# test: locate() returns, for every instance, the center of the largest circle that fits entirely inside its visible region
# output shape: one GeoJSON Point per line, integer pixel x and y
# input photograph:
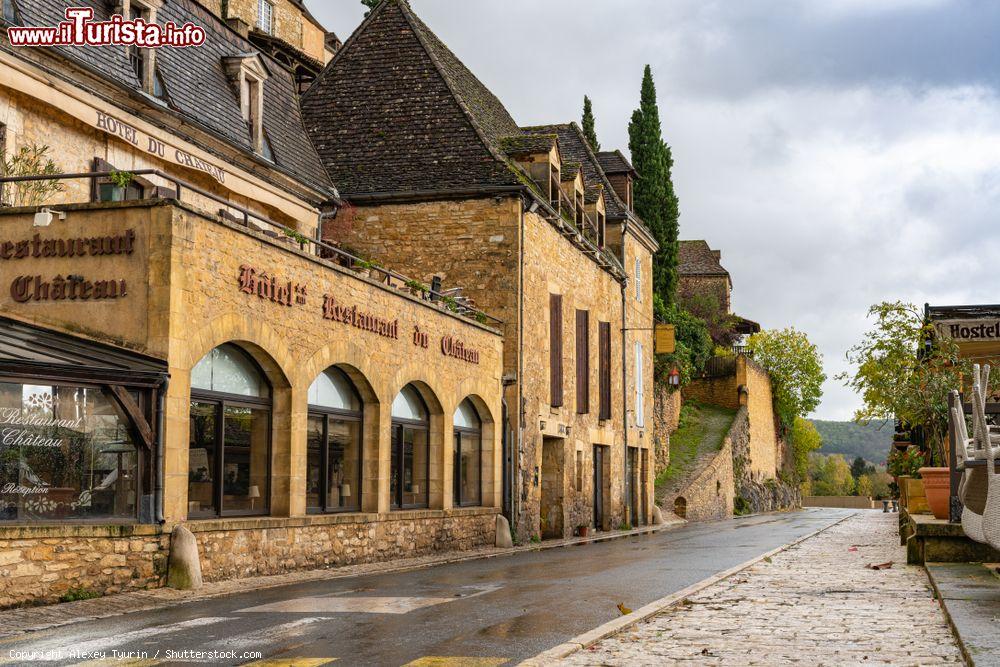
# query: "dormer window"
{"type": "Point", "coordinates": [10, 13]}
{"type": "Point", "coordinates": [143, 61]}
{"type": "Point", "coordinates": [555, 188]}
{"type": "Point", "coordinates": [247, 73]}
{"type": "Point", "coordinates": [265, 16]}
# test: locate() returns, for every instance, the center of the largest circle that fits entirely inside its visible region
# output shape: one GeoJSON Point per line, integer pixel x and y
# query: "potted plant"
{"type": "Point", "coordinates": [904, 466]}
{"type": "Point", "coordinates": [120, 180]}
{"type": "Point", "coordinates": [582, 530]}
{"type": "Point", "coordinates": [416, 287]}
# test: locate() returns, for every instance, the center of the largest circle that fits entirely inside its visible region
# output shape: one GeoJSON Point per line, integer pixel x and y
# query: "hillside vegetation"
{"type": "Point", "coordinates": [698, 437]}
{"type": "Point", "coordinates": [851, 439]}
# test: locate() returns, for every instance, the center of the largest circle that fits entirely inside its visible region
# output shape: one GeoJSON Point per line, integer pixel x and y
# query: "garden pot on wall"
{"type": "Point", "coordinates": [937, 488]}
{"type": "Point", "coordinates": [916, 498]}
{"type": "Point", "coordinates": [901, 485]}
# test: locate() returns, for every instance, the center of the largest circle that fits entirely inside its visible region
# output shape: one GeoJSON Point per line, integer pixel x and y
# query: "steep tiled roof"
{"type": "Point", "coordinates": [196, 84]}
{"type": "Point", "coordinates": [396, 111]}
{"type": "Point", "coordinates": [574, 147]}
{"type": "Point", "coordinates": [696, 258]}
{"type": "Point", "coordinates": [569, 170]}
{"type": "Point", "coordinates": [613, 162]}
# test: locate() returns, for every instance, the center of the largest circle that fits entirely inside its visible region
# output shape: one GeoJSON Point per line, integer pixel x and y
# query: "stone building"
{"type": "Point", "coordinates": [175, 347]}
{"type": "Point", "coordinates": [700, 271]}
{"type": "Point", "coordinates": [442, 181]}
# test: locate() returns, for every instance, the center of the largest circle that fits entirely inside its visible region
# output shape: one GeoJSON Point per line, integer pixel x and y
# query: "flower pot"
{"type": "Point", "coordinates": [937, 487]}
{"type": "Point", "coordinates": [916, 499]}
{"type": "Point", "coordinates": [582, 531]}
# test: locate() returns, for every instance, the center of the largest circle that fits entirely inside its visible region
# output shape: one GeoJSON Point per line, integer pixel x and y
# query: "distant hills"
{"type": "Point", "coordinates": [852, 440]}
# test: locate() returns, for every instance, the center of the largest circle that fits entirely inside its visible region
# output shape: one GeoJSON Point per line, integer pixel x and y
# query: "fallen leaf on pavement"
{"type": "Point", "coordinates": [853, 549]}
{"type": "Point", "coordinates": [880, 566]}
{"type": "Point", "coordinates": [623, 609]}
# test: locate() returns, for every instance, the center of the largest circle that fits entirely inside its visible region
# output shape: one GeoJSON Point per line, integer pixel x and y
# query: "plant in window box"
{"type": "Point", "coordinates": [481, 317]}
{"type": "Point", "coordinates": [120, 180]}
{"type": "Point", "coordinates": [301, 239]}
{"type": "Point", "coordinates": [449, 303]}
{"type": "Point", "coordinates": [416, 287]}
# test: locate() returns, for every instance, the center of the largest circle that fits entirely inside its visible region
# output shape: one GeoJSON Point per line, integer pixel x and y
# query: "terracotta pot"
{"type": "Point", "coordinates": [582, 531]}
{"type": "Point", "coordinates": [937, 488]}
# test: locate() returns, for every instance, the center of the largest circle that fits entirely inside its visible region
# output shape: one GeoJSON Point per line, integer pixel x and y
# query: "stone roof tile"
{"type": "Point", "coordinates": [696, 258]}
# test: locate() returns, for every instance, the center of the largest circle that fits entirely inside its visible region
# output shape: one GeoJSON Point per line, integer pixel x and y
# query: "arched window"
{"type": "Point", "coordinates": [410, 451]}
{"type": "Point", "coordinates": [468, 469]}
{"type": "Point", "coordinates": [333, 482]}
{"type": "Point", "coordinates": [229, 457]}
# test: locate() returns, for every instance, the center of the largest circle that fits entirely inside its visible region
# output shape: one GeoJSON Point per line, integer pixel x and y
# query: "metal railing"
{"type": "Point", "coordinates": [322, 249]}
{"type": "Point", "coordinates": [580, 238]}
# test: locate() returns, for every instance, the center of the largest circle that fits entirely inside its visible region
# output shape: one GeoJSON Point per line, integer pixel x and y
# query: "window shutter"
{"type": "Point", "coordinates": [582, 362]}
{"type": "Point", "coordinates": [556, 349]}
{"type": "Point", "coordinates": [604, 354]}
{"type": "Point", "coordinates": [640, 415]}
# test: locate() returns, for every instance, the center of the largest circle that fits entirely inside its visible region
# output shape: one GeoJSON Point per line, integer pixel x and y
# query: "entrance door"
{"type": "Point", "coordinates": [631, 492]}
{"type": "Point", "coordinates": [598, 487]}
{"type": "Point", "coordinates": [553, 481]}
{"type": "Point", "coordinates": [644, 487]}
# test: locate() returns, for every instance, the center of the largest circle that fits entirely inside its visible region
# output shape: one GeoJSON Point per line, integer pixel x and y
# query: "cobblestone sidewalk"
{"type": "Point", "coordinates": [815, 604]}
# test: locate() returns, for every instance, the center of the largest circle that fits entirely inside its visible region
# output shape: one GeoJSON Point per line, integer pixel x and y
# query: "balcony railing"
{"type": "Point", "coordinates": [446, 299]}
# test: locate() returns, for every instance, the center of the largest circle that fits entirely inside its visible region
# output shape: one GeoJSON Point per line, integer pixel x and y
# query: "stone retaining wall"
{"type": "Point", "coordinates": [666, 416]}
{"type": "Point", "coordinates": [44, 564]}
{"type": "Point", "coordinates": [710, 495]}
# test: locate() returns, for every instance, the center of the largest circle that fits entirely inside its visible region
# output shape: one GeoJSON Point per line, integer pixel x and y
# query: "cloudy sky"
{"type": "Point", "coordinates": [839, 153]}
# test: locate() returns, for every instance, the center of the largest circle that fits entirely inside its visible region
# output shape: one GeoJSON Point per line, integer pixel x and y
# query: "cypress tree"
{"type": "Point", "coordinates": [655, 201]}
{"type": "Point", "coordinates": [589, 130]}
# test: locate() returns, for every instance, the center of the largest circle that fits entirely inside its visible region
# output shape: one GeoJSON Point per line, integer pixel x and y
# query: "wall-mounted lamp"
{"type": "Point", "coordinates": [44, 217]}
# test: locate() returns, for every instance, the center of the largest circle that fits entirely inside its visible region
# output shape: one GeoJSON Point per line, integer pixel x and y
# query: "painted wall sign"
{"type": "Point", "coordinates": [969, 330]}
{"type": "Point", "coordinates": [452, 347]}
{"type": "Point", "coordinates": [95, 246]}
{"type": "Point", "coordinates": [268, 287]}
{"type": "Point", "coordinates": [156, 146]}
{"type": "Point", "coordinates": [359, 319]}
{"type": "Point", "coordinates": [70, 288]}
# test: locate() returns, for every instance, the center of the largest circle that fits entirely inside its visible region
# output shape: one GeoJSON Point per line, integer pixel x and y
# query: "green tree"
{"type": "Point", "coordinates": [865, 487]}
{"type": "Point", "coordinates": [796, 369]}
{"type": "Point", "coordinates": [904, 373]}
{"type": "Point", "coordinates": [694, 344]}
{"type": "Point", "coordinates": [831, 476]}
{"type": "Point", "coordinates": [655, 201]}
{"type": "Point", "coordinates": [803, 439]}
{"type": "Point", "coordinates": [589, 130]}
{"type": "Point", "coordinates": [370, 4]}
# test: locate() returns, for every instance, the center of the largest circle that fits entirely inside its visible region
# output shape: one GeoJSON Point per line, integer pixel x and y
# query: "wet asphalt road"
{"type": "Point", "coordinates": [507, 608]}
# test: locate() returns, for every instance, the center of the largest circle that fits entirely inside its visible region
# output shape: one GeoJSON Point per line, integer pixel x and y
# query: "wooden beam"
{"type": "Point", "coordinates": [131, 408]}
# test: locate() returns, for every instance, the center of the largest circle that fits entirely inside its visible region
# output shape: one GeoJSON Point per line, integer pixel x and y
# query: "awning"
{"type": "Point", "coordinates": [34, 352]}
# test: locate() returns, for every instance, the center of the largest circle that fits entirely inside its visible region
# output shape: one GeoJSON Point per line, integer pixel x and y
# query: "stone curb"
{"type": "Point", "coordinates": [161, 598]}
{"type": "Point", "coordinates": [966, 654]}
{"type": "Point", "coordinates": [656, 607]}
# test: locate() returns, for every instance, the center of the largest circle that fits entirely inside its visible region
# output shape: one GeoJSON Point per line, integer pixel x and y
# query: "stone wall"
{"type": "Point", "coordinates": [290, 23]}
{"type": "Point", "coordinates": [721, 391]}
{"type": "Point", "coordinates": [765, 458]}
{"type": "Point", "coordinates": [847, 502]}
{"type": "Point", "coordinates": [666, 417]}
{"type": "Point", "coordinates": [690, 288]}
{"type": "Point", "coordinates": [43, 564]}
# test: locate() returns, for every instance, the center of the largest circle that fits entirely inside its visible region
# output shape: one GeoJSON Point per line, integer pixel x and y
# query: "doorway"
{"type": "Point", "coordinates": [601, 479]}
{"type": "Point", "coordinates": [631, 492]}
{"type": "Point", "coordinates": [553, 476]}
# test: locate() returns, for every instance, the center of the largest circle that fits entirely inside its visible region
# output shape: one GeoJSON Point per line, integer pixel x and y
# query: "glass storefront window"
{"type": "Point", "coordinates": [229, 456]}
{"type": "Point", "coordinates": [333, 474]}
{"type": "Point", "coordinates": [467, 488]}
{"type": "Point", "coordinates": [410, 470]}
{"type": "Point", "coordinates": [65, 455]}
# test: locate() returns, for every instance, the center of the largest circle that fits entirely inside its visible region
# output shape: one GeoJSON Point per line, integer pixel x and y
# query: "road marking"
{"type": "Point", "coordinates": [67, 644]}
{"type": "Point", "coordinates": [452, 661]}
{"type": "Point", "coordinates": [365, 604]}
{"type": "Point", "coordinates": [271, 634]}
{"type": "Point", "coordinates": [292, 662]}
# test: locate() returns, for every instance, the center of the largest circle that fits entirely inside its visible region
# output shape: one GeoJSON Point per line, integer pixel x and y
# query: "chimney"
{"type": "Point", "coordinates": [239, 25]}
{"type": "Point", "coordinates": [717, 254]}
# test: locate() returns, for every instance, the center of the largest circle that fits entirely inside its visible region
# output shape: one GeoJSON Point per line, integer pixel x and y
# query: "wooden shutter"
{"type": "Point", "coordinates": [555, 350]}
{"type": "Point", "coordinates": [582, 362]}
{"type": "Point", "coordinates": [604, 354]}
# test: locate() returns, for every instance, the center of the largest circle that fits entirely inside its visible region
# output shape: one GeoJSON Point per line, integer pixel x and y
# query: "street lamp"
{"type": "Point", "coordinates": [675, 378]}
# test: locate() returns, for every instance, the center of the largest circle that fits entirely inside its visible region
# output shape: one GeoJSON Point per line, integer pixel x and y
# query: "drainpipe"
{"type": "Point", "coordinates": [624, 283]}
{"type": "Point", "coordinates": [515, 486]}
{"type": "Point", "coordinates": [161, 428]}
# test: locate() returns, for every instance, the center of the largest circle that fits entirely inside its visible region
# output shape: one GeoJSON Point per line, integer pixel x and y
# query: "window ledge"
{"type": "Point", "coordinates": [27, 532]}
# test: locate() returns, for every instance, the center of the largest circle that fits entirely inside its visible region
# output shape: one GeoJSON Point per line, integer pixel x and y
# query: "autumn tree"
{"type": "Point", "coordinates": [795, 366]}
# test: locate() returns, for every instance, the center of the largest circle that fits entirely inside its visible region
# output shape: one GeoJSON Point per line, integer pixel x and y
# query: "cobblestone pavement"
{"type": "Point", "coordinates": [14, 622]}
{"type": "Point", "coordinates": [815, 604]}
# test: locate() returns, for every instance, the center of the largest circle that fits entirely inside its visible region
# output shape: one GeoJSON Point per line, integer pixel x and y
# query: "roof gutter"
{"type": "Point", "coordinates": [416, 196]}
